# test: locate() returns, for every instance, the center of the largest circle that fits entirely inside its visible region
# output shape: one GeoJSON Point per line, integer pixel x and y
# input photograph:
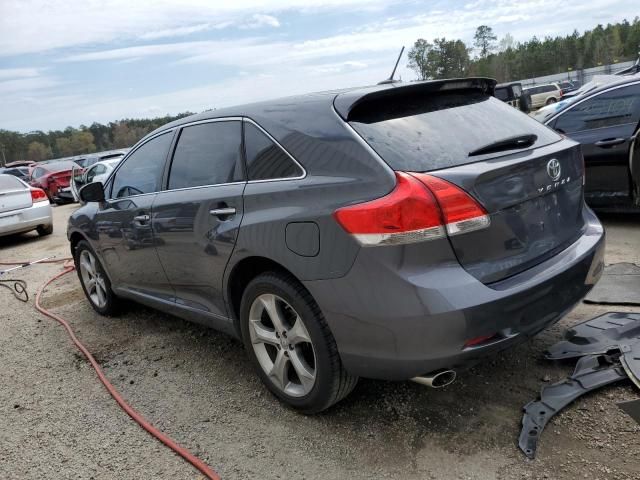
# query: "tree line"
{"type": "Point", "coordinates": [507, 60]}
{"type": "Point", "coordinates": [39, 145]}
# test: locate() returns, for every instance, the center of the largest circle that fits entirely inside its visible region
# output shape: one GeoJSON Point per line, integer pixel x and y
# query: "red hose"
{"type": "Point", "coordinates": [183, 452]}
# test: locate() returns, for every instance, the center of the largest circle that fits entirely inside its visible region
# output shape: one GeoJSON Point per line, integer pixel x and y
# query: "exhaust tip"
{"type": "Point", "coordinates": [437, 379]}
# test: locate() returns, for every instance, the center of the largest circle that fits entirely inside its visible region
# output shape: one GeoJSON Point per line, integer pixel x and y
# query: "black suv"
{"type": "Point", "coordinates": [393, 232]}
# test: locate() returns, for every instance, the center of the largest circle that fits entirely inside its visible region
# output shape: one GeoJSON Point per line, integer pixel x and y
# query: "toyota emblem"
{"type": "Point", "coordinates": [553, 169]}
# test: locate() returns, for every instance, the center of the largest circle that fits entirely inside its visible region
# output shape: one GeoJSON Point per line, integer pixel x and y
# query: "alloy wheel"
{"type": "Point", "coordinates": [92, 279]}
{"type": "Point", "coordinates": [282, 345]}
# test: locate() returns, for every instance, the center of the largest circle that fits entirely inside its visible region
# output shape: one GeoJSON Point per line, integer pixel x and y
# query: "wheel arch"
{"type": "Point", "coordinates": [74, 239]}
{"type": "Point", "coordinates": [241, 274]}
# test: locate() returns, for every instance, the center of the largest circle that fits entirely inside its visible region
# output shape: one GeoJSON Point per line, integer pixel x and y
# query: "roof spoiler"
{"type": "Point", "coordinates": [345, 103]}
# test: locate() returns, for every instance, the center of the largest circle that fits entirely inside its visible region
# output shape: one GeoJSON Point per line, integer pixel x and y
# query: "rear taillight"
{"type": "Point", "coordinates": [408, 214]}
{"type": "Point", "coordinates": [461, 212]}
{"type": "Point", "coordinates": [420, 208]}
{"type": "Point", "coordinates": [38, 195]}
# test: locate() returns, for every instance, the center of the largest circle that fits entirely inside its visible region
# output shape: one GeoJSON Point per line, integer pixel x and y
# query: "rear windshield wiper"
{"type": "Point", "coordinates": [511, 143]}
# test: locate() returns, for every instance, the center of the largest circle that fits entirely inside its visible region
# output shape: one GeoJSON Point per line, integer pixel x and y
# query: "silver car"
{"type": "Point", "coordinates": [23, 208]}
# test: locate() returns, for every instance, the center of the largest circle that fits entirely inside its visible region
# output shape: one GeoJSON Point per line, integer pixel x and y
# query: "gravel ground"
{"type": "Point", "coordinates": [57, 421]}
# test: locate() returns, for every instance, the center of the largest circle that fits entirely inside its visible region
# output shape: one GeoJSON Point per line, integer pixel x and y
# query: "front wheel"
{"type": "Point", "coordinates": [290, 344]}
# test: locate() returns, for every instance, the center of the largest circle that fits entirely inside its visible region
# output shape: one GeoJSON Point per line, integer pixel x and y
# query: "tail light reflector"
{"type": "Point", "coordinates": [38, 195]}
{"type": "Point", "coordinates": [420, 208]}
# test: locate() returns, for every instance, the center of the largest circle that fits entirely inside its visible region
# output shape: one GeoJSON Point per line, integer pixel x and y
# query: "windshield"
{"type": "Point", "coordinates": [439, 131]}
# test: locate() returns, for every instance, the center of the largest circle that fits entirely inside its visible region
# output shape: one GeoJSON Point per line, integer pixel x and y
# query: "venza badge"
{"type": "Point", "coordinates": [554, 170]}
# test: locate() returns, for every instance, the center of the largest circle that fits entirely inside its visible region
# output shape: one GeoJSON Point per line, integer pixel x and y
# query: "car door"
{"type": "Point", "coordinates": [196, 219]}
{"type": "Point", "coordinates": [605, 124]}
{"type": "Point", "coordinates": [123, 222]}
{"type": "Point", "coordinates": [94, 171]}
{"type": "Point", "coordinates": [634, 166]}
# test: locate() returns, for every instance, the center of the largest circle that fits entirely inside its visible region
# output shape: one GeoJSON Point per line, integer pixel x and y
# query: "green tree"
{"type": "Point", "coordinates": [484, 40]}
{"type": "Point", "coordinates": [37, 151]}
{"type": "Point", "coordinates": [442, 59]}
{"type": "Point", "coordinates": [419, 58]}
{"type": "Point", "coordinates": [81, 141]}
{"type": "Point", "coordinates": [63, 147]}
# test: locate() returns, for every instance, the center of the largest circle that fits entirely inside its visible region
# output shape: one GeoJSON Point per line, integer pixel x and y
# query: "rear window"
{"type": "Point", "coordinates": [430, 132]}
{"type": "Point", "coordinates": [59, 167]}
{"type": "Point", "coordinates": [9, 182]}
{"type": "Point", "coordinates": [502, 94]}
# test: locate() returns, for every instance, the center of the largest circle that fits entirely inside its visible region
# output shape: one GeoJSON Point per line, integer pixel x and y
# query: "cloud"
{"type": "Point", "coordinates": [41, 25]}
{"type": "Point", "coordinates": [18, 73]}
{"type": "Point", "coordinates": [260, 20]}
{"type": "Point", "coordinates": [27, 85]}
{"type": "Point", "coordinates": [182, 31]}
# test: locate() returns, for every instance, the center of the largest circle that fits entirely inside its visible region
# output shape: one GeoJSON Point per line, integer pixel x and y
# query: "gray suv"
{"type": "Point", "coordinates": [393, 232]}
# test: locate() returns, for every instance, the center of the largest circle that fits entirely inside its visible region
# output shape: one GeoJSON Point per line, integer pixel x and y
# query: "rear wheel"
{"type": "Point", "coordinates": [290, 344]}
{"type": "Point", "coordinates": [94, 280]}
{"type": "Point", "coordinates": [44, 230]}
{"type": "Point", "coordinates": [551, 100]}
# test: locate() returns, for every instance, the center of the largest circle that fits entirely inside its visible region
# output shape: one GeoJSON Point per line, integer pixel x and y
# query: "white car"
{"type": "Point", "coordinates": [23, 208]}
{"type": "Point", "coordinates": [548, 111]}
{"type": "Point", "coordinates": [98, 172]}
{"type": "Point", "coordinates": [542, 95]}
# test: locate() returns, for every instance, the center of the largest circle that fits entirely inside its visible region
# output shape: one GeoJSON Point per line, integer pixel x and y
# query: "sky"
{"type": "Point", "coordinates": [70, 63]}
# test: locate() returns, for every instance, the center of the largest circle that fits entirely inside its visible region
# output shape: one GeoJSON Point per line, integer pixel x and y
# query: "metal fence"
{"type": "Point", "coordinates": [582, 76]}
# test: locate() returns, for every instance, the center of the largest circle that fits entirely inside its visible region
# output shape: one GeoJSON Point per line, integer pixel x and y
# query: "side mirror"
{"type": "Point", "coordinates": [92, 192]}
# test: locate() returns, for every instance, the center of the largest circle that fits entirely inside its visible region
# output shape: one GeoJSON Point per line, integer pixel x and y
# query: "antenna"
{"type": "Point", "coordinates": [393, 72]}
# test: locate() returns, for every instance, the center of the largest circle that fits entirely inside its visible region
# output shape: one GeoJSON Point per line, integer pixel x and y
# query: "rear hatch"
{"type": "Point", "coordinates": [526, 177]}
{"type": "Point", "coordinates": [14, 195]}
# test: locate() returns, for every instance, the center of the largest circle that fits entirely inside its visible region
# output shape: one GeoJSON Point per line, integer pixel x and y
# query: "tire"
{"type": "Point", "coordinates": [550, 101]}
{"type": "Point", "coordinates": [98, 292]}
{"type": "Point", "coordinates": [44, 230]}
{"type": "Point", "coordinates": [299, 317]}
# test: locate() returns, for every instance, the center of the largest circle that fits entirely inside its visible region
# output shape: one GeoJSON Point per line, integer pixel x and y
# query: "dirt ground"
{"type": "Point", "coordinates": [57, 421]}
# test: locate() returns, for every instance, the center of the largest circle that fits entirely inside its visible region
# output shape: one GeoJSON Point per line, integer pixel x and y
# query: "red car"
{"type": "Point", "coordinates": [54, 179]}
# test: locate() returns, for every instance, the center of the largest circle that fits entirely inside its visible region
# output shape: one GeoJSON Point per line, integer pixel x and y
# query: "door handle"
{"type": "Point", "coordinates": [141, 218]}
{"type": "Point", "coordinates": [223, 212]}
{"type": "Point", "coordinates": [610, 142]}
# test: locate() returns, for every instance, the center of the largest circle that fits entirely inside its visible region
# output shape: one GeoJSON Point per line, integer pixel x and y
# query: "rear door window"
{"type": "Point", "coordinates": [142, 170]}
{"type": "Point", "coordinates": [265, 159]}
{"type": "Point", "coordinates": [617, 107]}
{"type": "Point", "coordinates": [437, 131]}
{"type": "Point", "coordinates": [207, 154]}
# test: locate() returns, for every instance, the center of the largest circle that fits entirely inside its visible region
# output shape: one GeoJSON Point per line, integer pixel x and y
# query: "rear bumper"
{"type": "Point", "coordinates": [25, 219]}
{"type": "Point", "coordinates": [64, 195]}
{"type": "Point", "coordinates": [393, 321]}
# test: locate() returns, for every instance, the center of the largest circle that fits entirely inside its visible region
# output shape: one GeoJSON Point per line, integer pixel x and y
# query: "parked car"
{"type": "Point", "coordinates": [513, 94]}
{"type": "Point", "coordinates": [92, 158]}
{"type": "Point", "coordinates": [605, 122]}
{"type": "Point", "coordinates": [544, 113]}
{"type": "Point", "coordinates": [98, 172]}
{"type": "Point", "coordinates": [568, 86]}
{"type": "Point", "coordinates": [544, 94]}
{"type": "Point", "coordinates": [54, 178]}
{"type": "Point", "coordinates": [20, 163]}
{"type": "Point", "coordinates": [23, 208]}
{"type": "Point", "coordinates": [21, 172]}
{"type": "Point", "coordinates": [387, 232]}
